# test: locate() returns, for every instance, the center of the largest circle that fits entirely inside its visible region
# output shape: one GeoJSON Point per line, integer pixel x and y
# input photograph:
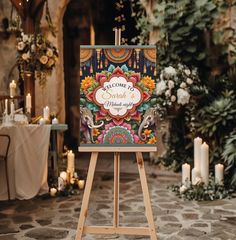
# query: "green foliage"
{"type": "Point", "coordinates": [229, 155]}
{"type": "Point", "coordinates": [215, 121]}
{"type": "Point", "coordinates": [201, 192]}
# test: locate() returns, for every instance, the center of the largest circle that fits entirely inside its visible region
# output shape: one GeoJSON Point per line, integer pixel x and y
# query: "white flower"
{"type": "Point", "coordinates": [173, 98]}
{"type": "Point", "coordinates": [171, 84]}
{"type": "Point", "coordinates": [49, 52]}
{"type": "Point", "coordinates": [183, 189]}
{"type": "Point", "coordinates": [183, 85]}
{"type": "Point", "coordinates": [180, 66]}
{"type": "Point", "coordinates": [25, 56]}
{"type": "Point", "coordinates": [20, 46]}
{"type": "Point", "coordinates": [187, 72]}
{"type": "Point", "coordinates": [170, 71]}
{"type": "Point", "coordinates": [167, 93]}
{"type": "Point", "coordinates": [183, 96]}
{"type": "Point", "coordinates": [189, 81]}
{"type": "Point", "coordinates": [43, 59]}
{"type": "Point", "coordinates": [160, 87]}
{"type": "Point", "coordinates": [25, 38]}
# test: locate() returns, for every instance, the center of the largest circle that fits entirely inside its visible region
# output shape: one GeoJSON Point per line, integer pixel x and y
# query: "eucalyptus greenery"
{"type": "Point", "coordinates": [202, 192]}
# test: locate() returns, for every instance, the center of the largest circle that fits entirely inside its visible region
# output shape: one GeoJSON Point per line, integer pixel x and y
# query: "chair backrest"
{"type": "Point", "coordinates": [5, 141]}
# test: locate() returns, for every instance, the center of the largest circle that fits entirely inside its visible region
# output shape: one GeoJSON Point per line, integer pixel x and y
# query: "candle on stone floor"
{"type": "Point", "coordinates": [71, 162]}
{"type": "Point", "coordinates": [195, 176]}
{"type": "Point", "coordinates": [28, 104]}
{"type": "Point", "coordinates": [6, 106]}
{"type": "Point", "coordinates": [53, 192]}
{"type": "Point", "coordinates": [46, 113]}
{"type": "Point", "coordinates": [81, 184]}
{"type": "Point", "coordinates": [185, 174]}
{"type": "Point", "coordinates": [219, 174]}
{"type": "Point", "coordinates": [61, 184]}
{"type": "Point", "coordinates": [63, 175]}
{"type": "Point", "coordinates": [12, 87]}
{"type": "Point", "coordinates": [197, 153]}
{"type": "Point", "coordinates": [204, 165]}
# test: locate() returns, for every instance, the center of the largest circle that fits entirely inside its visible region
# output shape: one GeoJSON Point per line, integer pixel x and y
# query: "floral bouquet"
{"type": "Point", "coordinates": [37, 55]}
{"type": "Point", "coordinates": [175, 87]}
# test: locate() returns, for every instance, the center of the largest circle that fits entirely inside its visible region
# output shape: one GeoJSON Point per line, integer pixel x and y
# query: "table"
{"type": "Point", "coordinates": [27, 161]}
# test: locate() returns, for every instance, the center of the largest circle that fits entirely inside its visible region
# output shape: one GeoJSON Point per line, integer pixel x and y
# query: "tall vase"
{"type": "Point", "coordinates": [29, 87]}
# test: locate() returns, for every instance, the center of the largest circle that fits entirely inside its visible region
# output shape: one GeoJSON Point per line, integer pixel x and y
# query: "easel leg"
{"type": "Point", "coordinates": [116, 189]}
{"type": "Point", "coordinates": [87, 191]}
{"type": "Point", "coordinates": [146, 196]}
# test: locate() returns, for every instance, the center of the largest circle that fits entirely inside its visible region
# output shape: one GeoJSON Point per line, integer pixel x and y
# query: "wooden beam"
{"type": "Point", "coordinates": [119, 230]}
{"type": "Point", "coordinates": [113, 148]}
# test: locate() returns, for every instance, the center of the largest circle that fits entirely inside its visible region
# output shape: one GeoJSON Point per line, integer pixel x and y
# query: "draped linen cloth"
{"type": "Point", "coordinates": [27, 161]}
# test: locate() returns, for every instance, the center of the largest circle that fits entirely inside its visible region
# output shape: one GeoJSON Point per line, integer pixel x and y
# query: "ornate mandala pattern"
{"type": "Point", "coordinates": [118, 55]}
{"type": "Point", "coordinates": [118, 135]}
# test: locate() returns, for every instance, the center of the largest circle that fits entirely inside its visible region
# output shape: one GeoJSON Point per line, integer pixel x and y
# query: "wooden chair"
{"type": "Point", "coordinates": [4, 148]}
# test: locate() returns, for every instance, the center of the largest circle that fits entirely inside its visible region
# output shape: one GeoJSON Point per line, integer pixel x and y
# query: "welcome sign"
{"type": "Point", "coordinates": [117, 95]}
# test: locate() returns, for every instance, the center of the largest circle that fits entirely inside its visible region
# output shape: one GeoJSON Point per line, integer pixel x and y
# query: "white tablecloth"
{"type": "Point", "coordinates": [27, 161]}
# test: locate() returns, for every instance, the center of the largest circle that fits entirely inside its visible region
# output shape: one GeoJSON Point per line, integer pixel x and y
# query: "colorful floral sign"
{"type": "Point", "coordinates": [116, 88]}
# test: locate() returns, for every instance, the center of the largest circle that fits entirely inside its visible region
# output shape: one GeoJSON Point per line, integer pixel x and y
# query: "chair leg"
{"type": "Point", "coordinates": [7, 177]}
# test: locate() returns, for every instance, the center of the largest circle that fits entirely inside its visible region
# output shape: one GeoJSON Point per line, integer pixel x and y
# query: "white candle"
{"type": "Point", "coordinates": [12, 108]}
{"type": "Point", "coordinates": [46, 113]}
{"type": "Point", "coordinates": [53, 192]}
{"type": "Point", "coordinates": [12, 87]}
{"type": "Point", "coordinates": [195, 176]}
{"type": "Point", "coordinates": [63, 175]}
{"type": "Point", "coordinates": [197, 153]}
{"type": "Point", "coordinates": [61, 184]}
{"type": "Point", "coordinates": [41, 121]}
{"type": "Point", "coordinates": [219, 174]}
{"type": "Point", "coordinates": [55, 121]}
{"type": "Point", "coordinates": [185, 174]}
{"type": "Point", "coordinates": [204, 163]}
{"type": "Point", "coordinates": [81, 184]}
{"type": "Point", "coordinates": [71, 162]}
{"type": "Point", "coordinates": [28, 103]}
{"type": "Point", "coordinates": [6, 106]}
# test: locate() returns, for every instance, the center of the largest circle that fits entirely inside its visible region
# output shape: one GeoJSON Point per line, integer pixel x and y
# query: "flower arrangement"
{"type": "Point", "coordinates": [175, 86]}
{"type": "Point", "coordinates": [37, 55]}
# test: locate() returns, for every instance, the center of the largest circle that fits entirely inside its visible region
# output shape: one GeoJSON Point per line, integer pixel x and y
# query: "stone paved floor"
{"type": "Point", "coordinates": [56, 218]}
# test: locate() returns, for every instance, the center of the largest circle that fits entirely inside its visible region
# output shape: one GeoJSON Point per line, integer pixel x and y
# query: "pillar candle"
{"type": "Point", "coordinates": [185, 174]}
{"type": "Point", "coordinates": [53, 192]}
{"type": "Point", "coordinates": [12, 87]}
{"type": "Point", "coordinates": [71, 162]}
{"type": "Point", "coordinates": [195, 176]}
{"type": "Point", "coordinates": [6, 106]}
{"type": "Point", "coordinates": [12, 108]}
{"type": "Point", "coordinates": [81, 184]}
{"type": "Point", "coordinates": [204, 165]}
{"type": "Point", "coordinates": [46, 113]}
{"type": "Point", "coordinates": [63, 175]}
{"type": "Point", "coordinates": [28, 103]}
{"type": "Point", "coordinates": [197, 153]}
{"type": "Point", "coordinates": [219, 174]}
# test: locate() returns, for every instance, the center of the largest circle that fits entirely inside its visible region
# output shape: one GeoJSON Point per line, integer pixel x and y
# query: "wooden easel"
{"type": "Point", "coordinates": [116, 229]}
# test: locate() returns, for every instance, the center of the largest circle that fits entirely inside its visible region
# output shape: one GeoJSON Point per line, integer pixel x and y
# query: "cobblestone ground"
{"type": "Point", "coordinates": [56, 218]}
